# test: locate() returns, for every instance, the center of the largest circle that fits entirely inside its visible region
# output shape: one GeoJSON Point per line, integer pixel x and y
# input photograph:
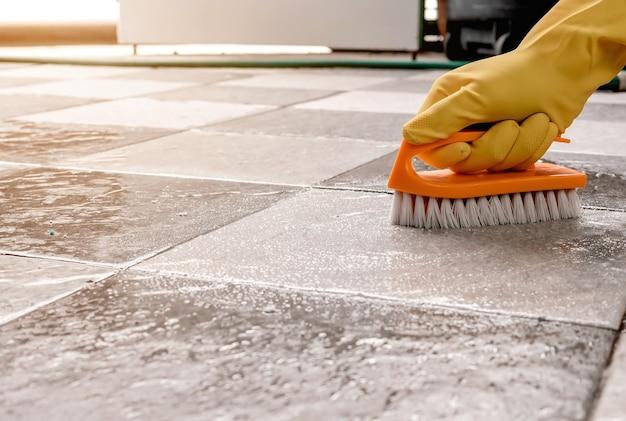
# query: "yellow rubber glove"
{"type": "Point", "coordinates": [531, 93]}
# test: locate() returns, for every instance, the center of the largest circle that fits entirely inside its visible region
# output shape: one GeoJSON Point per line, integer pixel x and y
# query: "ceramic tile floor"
{"type": "Point", "coordinates": [193, 243]}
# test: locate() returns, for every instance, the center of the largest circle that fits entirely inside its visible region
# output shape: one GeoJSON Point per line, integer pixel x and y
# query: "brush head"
{"type": "Point", "coordinates": [517, 208]}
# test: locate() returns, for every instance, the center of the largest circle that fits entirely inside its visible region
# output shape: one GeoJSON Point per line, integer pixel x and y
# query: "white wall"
{"type": "Point", "coordinates": [348, 24]}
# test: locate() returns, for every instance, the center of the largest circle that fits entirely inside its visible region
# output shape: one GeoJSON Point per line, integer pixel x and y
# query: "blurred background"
{"type": "Point", "coordinates": [460, 29]}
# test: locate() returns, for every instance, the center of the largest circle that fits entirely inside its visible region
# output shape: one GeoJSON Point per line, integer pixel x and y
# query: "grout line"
{"type": "Point", "coordinates": [58, 259]}
{"type": "Point", "coordinates": [369, 296]}
{"type": "Point", "coordinates": [604, 375]}
{"type": "Point", "coordinates": [16, 315]}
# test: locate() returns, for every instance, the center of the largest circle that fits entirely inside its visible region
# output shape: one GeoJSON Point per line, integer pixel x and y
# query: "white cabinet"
{"type": "Point", "coordinates": [341, 24]}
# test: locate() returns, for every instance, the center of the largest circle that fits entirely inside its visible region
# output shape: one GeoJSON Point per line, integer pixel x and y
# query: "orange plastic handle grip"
{"type": "Point", "coordinates": [467, 136]}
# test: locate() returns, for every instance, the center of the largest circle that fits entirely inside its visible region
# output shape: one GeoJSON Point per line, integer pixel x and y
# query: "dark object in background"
{"type": "Point", "coordinates": [476, 29]}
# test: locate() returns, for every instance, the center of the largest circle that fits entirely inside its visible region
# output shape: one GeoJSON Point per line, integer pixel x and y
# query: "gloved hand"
{"type": "Point", "coordinates": [531, 93]}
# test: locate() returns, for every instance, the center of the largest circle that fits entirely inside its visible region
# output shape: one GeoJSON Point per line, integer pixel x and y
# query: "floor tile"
{"type": "Point", "coordinates": [427, 75]}
{"type": "Point", "coordinates": [608, 98]}
{"type": "Point", "coordinates": [604, 112]}
{"type": "Point", "coordinates": [321, 124]}
{"type": "Point", "coordinates": [116, 218]}
{"type": "Point", "coordinates": [52, 143]}
{"type": "Point", "coordinates": [58, 71]}
{"type": "Point", "coordinates": [269, 159]}
{"type": "Point", "coordinates": [303, 80]}
{"type": "Point", "coordinates": [611, 405]}
{"type": "Point", "coordinates": [606, 177]}
{"type": "Point", "coordinates": [19, 105]}
{"type": "Point", "coordinates": [7, 82]}
{"type": "Point", "coordinates": [153, 113]}
{"type": "Point", "coordinates": [565, 270]}
{"type": "Point", "coordinates": [408, 85]}
{"type": "Point", "coordinates": [369, 101]}
{"type": "Point", "coordinates": [180, 74]}
{"type": "Point", "coordinates": [594, 137]}
{"type": "Point", "coordinates": [146, 347]}
{"type": "Point", "coordinates": [95, 88]}
{"type": "Point", "coordinates": [27, 283]}
{"type": "Point", "coordinates": [242, 95]}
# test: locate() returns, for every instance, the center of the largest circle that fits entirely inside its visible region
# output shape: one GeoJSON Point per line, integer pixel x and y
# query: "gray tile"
{"type": "Point", "coordinates": [253, 158]}
{"type": "Point", "coordinates": [322, 124]}
{"type": "Point", "coordinates": [23, 141]}
{"type": "Point", "coordinates": [170, 115]}
{"type": "Point", "coordinates": [606, 177]}
{"type": "Point", "coordinates": [116, 218]}
{"type": "Point", "coordinates": [403, 85]}
{"type": "Point", "coordinates": [149, 347]}
{"type": "Point", "coordinates": [182, 74]}
{"type": "Point", "coordinates": [309, 80]}
{"type": "Point", "coordinates": [371, 176]}
{"type": "Point", "coordinates": [242, 95]}
{"type": "Point", "coordinates": [611, 405]}
{"type": "Point", "coordinates": [18, 105]}
{"type": "Point", "coordinates": [604, 112]}
{"type": "Point", "coordinates": [343, 241]}
{"type": "Point", "coordinates": [61, 71]}
{"type": "Point", "coordinates": [7, 82]}
{"type": "Point", "coordinates": [594, 137]}
{"type": "Point", "coordinates": [28, 283]}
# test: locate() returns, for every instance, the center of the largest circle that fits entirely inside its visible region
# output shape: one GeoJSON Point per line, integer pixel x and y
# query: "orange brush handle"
{"type": "Point", "coordinates": [468, 136]}
{"type": "Point", "coordinates": [447, 184]}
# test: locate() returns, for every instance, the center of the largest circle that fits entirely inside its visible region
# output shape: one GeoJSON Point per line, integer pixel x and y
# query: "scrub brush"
{"type": "Point", "coordinates": [444, 199]}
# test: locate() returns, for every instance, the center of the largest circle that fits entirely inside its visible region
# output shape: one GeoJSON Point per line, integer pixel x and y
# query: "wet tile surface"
{"type": "Point", "coordinates": [304, 80]}
{"type": "Point", "coordinates": [322, 124]}
{"type": "Point", "coordinates": [95, 88]}
{"type": "Point", "coordinates": [271, 159]}
{"type": "Point", "coordinates": [154, 113]}
{"type": "Point", "coordinates": [7, 82]}
{"type": "Point", "coordinates": [369, 101]}
{"type": "Point", "coordinates": [52, 143]}
{"type": "Point", "coordinates": [566, 270]}
{"type": "Point", "coordinates": [17, 105]}
{"type": "Point", "coordinates": [115, 218]}
{"type": "Point", "coordinates": [146, 347]}
{"type": "Point", "coordinates": [242, 95]}
{"type": "Point", "coordinates": [27, 283]}
{"type": "Point", "coordinates": [611, 405]}
{"type": "Point", "coordinates": [606, 177]}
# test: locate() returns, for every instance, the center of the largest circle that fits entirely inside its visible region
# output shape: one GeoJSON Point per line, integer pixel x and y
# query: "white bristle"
{"type": "Point", "coordinates": [419, 212]}
{"type": "Point", "coordinates": [395, 208]}
{"type": "Point", "coordinates": [433, 216]}
{"type": "Point", "coordinates": [519, 212]}
{"type": "Point", "coordinates": [484, 212]}
{"type": "Point", "coordinates": [515, 208]}
{"type": "Point", "coordinates": [575, 204]}
{"type": "Point", "coordinates": [553, 208]}
{"type": "Point", "coordinates": [406, 211]}
{"type": "Point", "coordinates": [496, 209]}
{"type": "Point", "coordinates": [563, 201]}
{"type": "Point", "coordinates": [529, 208]}
{"type": "Point", "coordinates": [471, 208]}
{"type": "Point", "coordinates": [460, 214]}
{"type": "Point", "coordinates": [541, 206]}
{"type": "Point", "coordinates": [507, 208]}
{"type": "Point", "coordinates": [447, 215]}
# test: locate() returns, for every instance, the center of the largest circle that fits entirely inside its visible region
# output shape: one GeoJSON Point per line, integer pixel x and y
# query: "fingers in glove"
{"type": "Point", "coordinates": [491, 149]}
{"type": "Point", "coordinates": [445, 117]}
{"type": "Point", "coordinates": [446, 156]}
{"type": "Point", "coordinates": [532, 134]}
{"type": "Point", "coordinates": [551, 134]}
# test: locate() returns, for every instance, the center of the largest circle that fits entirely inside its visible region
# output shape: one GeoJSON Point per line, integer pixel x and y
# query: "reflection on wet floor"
{"type": "Point", "coordinates": [112, 217]}
{"type": "Point", "coordinates": [173, 348]}
{"type": "Point", "coordinates": [50, 144]}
